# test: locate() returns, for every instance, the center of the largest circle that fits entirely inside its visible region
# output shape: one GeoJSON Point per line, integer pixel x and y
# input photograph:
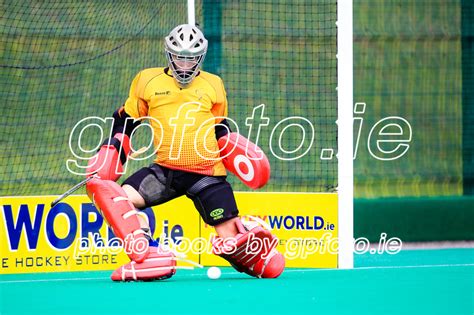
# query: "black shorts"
{"type": "Point", "coordinates": [212, 195]}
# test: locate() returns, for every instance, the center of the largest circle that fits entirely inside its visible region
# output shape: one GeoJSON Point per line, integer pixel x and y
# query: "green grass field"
{"type": "Point", "coordinates": [411, 282]}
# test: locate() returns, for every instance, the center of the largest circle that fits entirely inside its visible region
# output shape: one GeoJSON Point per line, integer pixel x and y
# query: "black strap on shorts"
{"type": "Point", "coordinates": [203, 183]}
{"type": "Point", "coordinates": [169, 180]}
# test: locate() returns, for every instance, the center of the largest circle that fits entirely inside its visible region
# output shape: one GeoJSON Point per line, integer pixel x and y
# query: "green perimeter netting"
{"type": "Point", "coordinates": [407, 63]}
{"type": "Point", "coordinates": [61, 61]}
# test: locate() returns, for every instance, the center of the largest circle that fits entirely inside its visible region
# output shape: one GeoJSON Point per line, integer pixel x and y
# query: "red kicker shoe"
{"type": "Point", "coordinates": [157, 266]}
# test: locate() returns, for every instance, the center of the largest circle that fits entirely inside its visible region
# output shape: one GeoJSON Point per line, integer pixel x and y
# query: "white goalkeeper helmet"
{"type": "Point", "coordinates": [185, 48]}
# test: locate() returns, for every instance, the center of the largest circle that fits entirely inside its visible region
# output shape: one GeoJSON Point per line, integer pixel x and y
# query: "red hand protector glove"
{"type": "Point", "coordinates": [108, 162]}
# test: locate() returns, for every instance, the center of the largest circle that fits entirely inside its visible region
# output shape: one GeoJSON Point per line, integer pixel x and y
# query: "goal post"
{"type": "Point", "coordinates": [345, 134]}
{"type": "Point", "coordinates": [191, 13]}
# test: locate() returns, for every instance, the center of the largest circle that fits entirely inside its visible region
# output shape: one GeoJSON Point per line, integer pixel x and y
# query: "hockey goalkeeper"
{"type": "Point", "coordinates": [181, 102]}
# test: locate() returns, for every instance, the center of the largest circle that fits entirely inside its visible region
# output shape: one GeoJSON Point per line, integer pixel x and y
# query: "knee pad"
{"type": "Point", "coordinates": [152, 184]}
{"type": "Point", "coordinates": [119, 212]}
{"type": "Point", "coordinates": [214, 199]}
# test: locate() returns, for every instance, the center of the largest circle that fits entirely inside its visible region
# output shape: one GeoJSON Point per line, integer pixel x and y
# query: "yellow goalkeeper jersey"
{"type": "Point", "coordinates": [182, 119]}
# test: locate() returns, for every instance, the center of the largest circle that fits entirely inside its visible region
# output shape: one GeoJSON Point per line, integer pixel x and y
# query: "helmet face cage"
{"type": "Point", "coordinates": [185, 48]}
{"type": "Point", "coordinates": [184, 68]}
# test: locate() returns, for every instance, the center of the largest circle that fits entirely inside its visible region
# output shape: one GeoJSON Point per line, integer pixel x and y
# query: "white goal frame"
{"type": "Point", "coordinates": [345, 169]}
{"type": "Point", "coordinates": [345, 130]}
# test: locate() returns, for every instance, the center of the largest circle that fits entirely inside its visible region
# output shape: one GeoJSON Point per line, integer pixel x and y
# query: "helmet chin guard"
{"type": "Point", "coordinates": [185, 48]}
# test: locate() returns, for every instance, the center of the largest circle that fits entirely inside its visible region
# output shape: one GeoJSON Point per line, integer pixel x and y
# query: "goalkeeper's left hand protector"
{"type": "Point", "coordinates": [245, 160]}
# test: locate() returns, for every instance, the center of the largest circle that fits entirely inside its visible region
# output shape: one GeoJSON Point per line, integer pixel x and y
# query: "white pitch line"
{"type": "Point", "coordinates": [358, 268]}
{"type": "Point", "coordinates": [362, 268]}
{"type": "Point", "coordinates": [381, 267]}
{"type": "Point", "coordinates": [233, 273]}
{"type": "Point", "coordinates": [51, 280]}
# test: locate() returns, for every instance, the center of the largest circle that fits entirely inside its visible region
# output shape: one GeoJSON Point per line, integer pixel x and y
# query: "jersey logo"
{"type": "Point", "coordinates": [199, 93]}
{"type": "Point", "coordinates": [163, 93]}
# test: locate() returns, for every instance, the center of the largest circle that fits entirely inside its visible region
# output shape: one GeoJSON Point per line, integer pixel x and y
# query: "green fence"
{"type": "Point", "coordinates": [408, 63]}
{"type": "Point", "coordinates": [63, 61]}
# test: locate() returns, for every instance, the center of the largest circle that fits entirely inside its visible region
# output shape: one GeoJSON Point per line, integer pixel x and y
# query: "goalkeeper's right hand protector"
{"type": "Point", "coordinates": [108, 162]}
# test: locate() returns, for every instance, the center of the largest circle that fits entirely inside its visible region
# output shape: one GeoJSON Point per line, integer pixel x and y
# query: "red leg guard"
{"type": "Point", "coordinates": [112, 201]}
{"type": "Point", "coordinates": [157, 266]}
{"type": "Point", "coordinates": [254, 252]}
